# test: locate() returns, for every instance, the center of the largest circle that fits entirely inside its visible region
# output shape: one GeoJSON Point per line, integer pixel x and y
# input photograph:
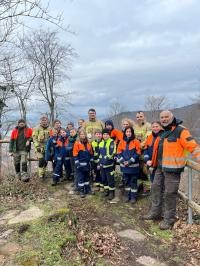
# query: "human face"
{"type": "Point", "coordinates": [80, 123]}
{"type": "Point", "coordinates": [57, 125]}
{"type": "Point", "coordinates": [106, 136]}
{"type": "Point", "coordinates": [63, 133]}
{"type": "Point", "coordinates": [109, 127]}
{"type": "Point", "coordinates": [69, 126]}
{"type": "Point", "coordinates": [21, 124]}
{"type": "Point", "coordinates": [125, 124]}
{"type": "Point", "coordinates": [91, 115]}
{"type": "Point", "coordinates": [155, 128]}
{"type": "Point", "coordinates": [55, 132]}
{"type": "Point", "coordinates": [166, 118]}
{"type": "Point", "coordinates": [44, 121]}
{"type": "Point", "coordinates": [128, 133]}
{"type": "Point", "coordinates": [72, 132]}
{"type": "Point", "coordinates": [98, 135]}
{"type": "Point", "coordinates": [140, 117]}
{"type": "Point", "coordinates": [82, 136]}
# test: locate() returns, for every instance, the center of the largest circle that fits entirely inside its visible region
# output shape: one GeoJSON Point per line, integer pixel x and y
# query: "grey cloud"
{"type": "Point", "coordinates": [130, 49]}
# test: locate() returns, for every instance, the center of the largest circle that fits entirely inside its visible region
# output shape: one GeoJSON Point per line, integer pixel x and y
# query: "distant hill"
{"type": "Point", "coordinates": [190, 115]}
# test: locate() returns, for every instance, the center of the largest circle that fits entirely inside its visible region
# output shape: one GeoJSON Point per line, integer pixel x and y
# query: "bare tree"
{"type": "Point", "coordinates": [154, 104]}
{"type": "Point", "coordinates": [115, 113]}
{"type": "Point", "coordinates": [51, 61]}
{"type": "Point", "coordinates": [13, 12]}
{"type": "Point", "coordinates": [20, 75]}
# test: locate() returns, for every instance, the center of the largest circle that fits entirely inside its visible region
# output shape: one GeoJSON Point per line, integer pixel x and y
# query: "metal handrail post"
{"type": "Point", "coordinates": [190, 221]}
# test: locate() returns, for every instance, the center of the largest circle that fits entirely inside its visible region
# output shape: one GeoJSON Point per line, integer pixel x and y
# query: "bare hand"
{"type": "Point", "coordinates": [149, 163]}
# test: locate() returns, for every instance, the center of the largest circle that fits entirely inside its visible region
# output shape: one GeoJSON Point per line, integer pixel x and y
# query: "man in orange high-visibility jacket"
{"type": "Point", "coordinates": [170, 158]}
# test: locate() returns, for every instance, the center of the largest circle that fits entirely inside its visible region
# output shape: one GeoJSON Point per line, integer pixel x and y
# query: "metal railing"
{"type": "Point", "coordinates": [192, 206]}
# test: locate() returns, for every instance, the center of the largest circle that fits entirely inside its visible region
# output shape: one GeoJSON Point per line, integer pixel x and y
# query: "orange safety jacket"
{"type": "Point", "coordinates": [151, 148]}
{"type": "Point", "coordinates": [116, 135]}
{"type": "Point", "coordinates": [82, 154]}
{"type": "Point", "coordinates": [174, 147]}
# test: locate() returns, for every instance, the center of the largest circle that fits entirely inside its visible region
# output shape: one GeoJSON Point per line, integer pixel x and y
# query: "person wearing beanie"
{"type": "Point", "coordinates": [107, 150]}
{"type": "Point", "coordinates": [128, 152]}
{"type": "Point", "coordinates": [40, 137]}
{"type": "Point", "coordinates": [19, 147]}
{"type": "Point", "coordinates": [115, 134]}
{"type": "Point", "coordinates": [170, 159]}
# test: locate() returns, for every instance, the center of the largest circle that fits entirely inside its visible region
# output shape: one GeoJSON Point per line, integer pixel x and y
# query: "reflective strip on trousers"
{"type": "Point", "coordinates": [134, 190]}
{"type": "Point", "coordinates": [56, 174]}
{"type": "Point", "coordinates": [83, 164]}
{"type": "Point", "coordinates": [107, 166]}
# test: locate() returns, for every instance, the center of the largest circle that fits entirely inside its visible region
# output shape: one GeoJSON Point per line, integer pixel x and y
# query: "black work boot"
{"type": "Point", "coordinates": [165, 225]}
{"type": "Point", "coordinates": [17, 170]}
{"type": "Point", "coordinates": [82, 194]}
{"type": "Point", "coordinates": [126, 197]}
{"type": "Point", "coordinates": [111, 195]}
{"type": "Point", "coordinates": [133, 197]}
{"type": "Point", "coordinates": [106, 193]}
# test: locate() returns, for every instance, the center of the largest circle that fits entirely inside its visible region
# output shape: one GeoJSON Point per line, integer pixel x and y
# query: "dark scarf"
{"type": "Point", "coordinates": [72, 139]}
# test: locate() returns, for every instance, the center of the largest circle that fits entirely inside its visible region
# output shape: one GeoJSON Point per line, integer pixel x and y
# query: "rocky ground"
{"type": "Point", "coordinates": [45, 225]}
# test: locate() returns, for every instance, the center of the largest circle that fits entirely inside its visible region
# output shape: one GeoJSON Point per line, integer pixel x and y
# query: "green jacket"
{"type": "Point", "coordinates": [40, 137]}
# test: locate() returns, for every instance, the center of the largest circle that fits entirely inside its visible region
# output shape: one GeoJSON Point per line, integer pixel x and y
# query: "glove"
{"type": "Point", "coordinates": [38, 149]}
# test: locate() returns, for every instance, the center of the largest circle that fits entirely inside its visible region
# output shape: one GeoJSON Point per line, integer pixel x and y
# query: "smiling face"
{"type": "Point", "coordinates": [92, 115]}
{"type": "Point", "coordinates": [106, 136]}
{"type": "Point", "coordinates": [63, 133]}
{"type": "Point", "coordinates": [166, 117]}
{"type": "Point", "coordinates": [98, 135]}
{"type": "Point", "coordinates": [57, 125]}
{"type": "Point", "coordinates": [156, 127]}
{"type": "Point", "coordinates": [125, 124]}
{"type": "Point", "coordinates": [82, 135]}
{"type": "Point", "coordinates": [140, 117]}
{"type": "Point", "coordinates": [128, 133]}
{"type": "Point", "coordinates": [72, 132]}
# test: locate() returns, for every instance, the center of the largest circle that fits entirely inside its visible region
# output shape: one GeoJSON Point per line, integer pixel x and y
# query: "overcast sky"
{"type": "Point", "coordinates": [130, 49]}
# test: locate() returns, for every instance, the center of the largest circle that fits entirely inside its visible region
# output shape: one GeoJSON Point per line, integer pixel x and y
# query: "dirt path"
{"type": "Point", "coordinates": [42, 225]}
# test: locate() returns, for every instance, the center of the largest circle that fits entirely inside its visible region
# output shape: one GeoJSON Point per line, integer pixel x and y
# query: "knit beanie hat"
{"type": "Point", "coordinates": [109, 122]}
{"type": "Point", "coordinates": [105, 130]}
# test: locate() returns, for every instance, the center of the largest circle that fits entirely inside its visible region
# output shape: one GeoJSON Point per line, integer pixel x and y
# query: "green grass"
{"type": "Point", "coordinates": [163, 234]}
{"type": "Point", "coordinates": [43, 241]}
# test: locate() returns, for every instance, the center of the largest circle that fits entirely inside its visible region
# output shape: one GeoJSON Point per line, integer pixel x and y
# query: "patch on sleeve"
{"type": "Point", "coordinates": [189, 138]}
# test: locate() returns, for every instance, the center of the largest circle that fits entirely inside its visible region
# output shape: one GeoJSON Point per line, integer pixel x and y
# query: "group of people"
{"type": "Point", "coordinates": [93, 151]}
